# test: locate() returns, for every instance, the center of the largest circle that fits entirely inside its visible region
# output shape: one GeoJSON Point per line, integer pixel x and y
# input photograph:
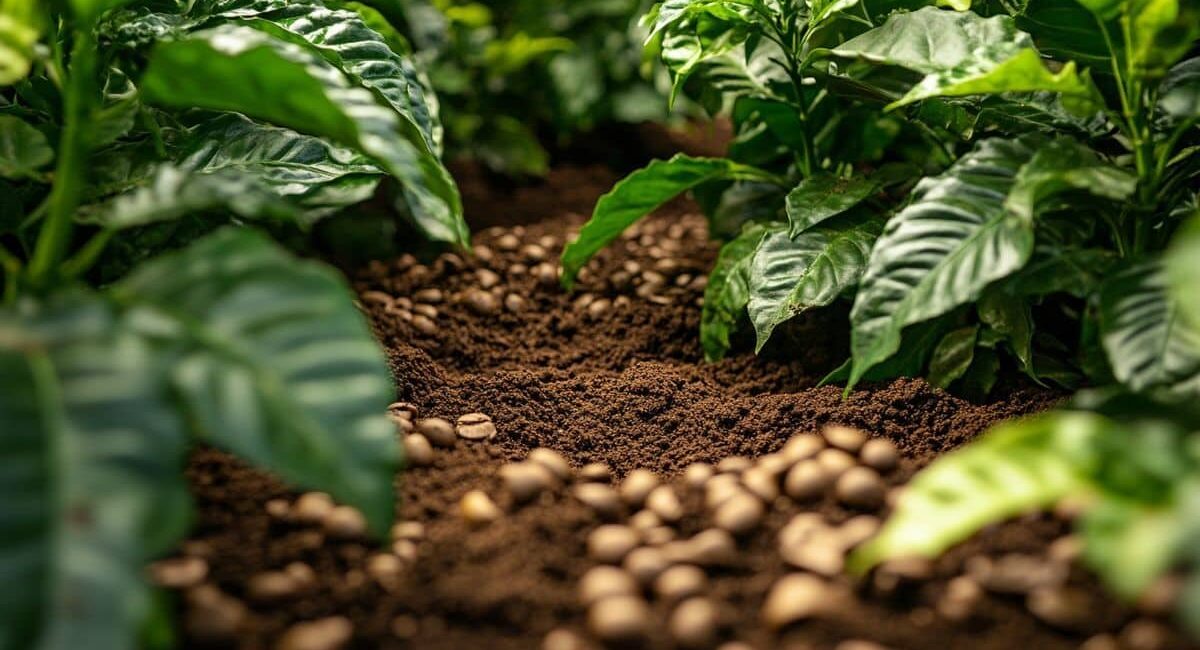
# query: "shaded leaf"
{"type": "Point", "coordinates": [23, 149]}
{"type": "Point", "coordinates": [1008, 314]}
{"type": "Point", "coordinates": [728, 290]}
{"type": "Point", "coordinates": [952, 356]}
{"type": "Point", "coordinates": [1183, 269]}
{"type": "Point", "coordinates": [1062, 165]}
{"type": "Point", "coordinates": [1179, 95]}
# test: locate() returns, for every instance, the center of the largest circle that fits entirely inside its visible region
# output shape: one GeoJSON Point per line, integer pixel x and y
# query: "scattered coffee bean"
{"type": "Point", "coordinates": [712, 547]}
{"type": "Point", "coordinates": [406, 550]}
{"type": "Point", "coordinates": [277, 508]}
{"type": "Point", "coordinates": [514, 303]}
{"type": "Point", "coordinates": [312, 507]}
{"type": "Point", "coordinates": [385, 569]}
{"type": "Point", "coordinates": [546, 274]}
{"type": "Point", "coordinates": [663, 502]}
{"type": "Point", "coordinates": [597, 308]}
{"type": "Point", "coordinates": [517, 270]}
{"type": "Point", "coordinates": [179, 572]}
{"type": "Point", "coordinates": [697, 474]}
{"type": "Point", "coordinates": [405, 626]}
{"type": "Point", "coordinates": [438, 431]}
{"type": "Point", "coordinates": [477, 508]}
{"type": "Point", "coordinates": [345, 522]}
{"type": "Point", "coordinates": [802, 447]}
{"type": "Point", "coordinates": [1066, 608]}
{"type": "Point", "coordinates": [271, 586]}
{"type": "Point", "coordinates": [879, 454]}
{"type": "Point", "coordinates": [428, 311]}
{"type": "Point", "coordinates": [376, 298]}
{"type": "Point", "coordinates": [1015, 573]}
{"type": "Point", "coordinates": [774, 465]}
{"type": "Point", "coordinates": [695, 623]}
{"type": "Point", "coordinates": [402, 411]}
{"type": "Point", "coordinates": [860, 487]}
{"type": "Point", "coordinates": [533, 253]}
{"type": "Point", "coordinates": [524, 481]}
{"type": "Point", "coordinates": [621, 619]}
{"type": "Point", "coordinates": [645, 564]}
{"type": "Point", "coordinates": [806, 480]}
{"type": "Point", "coordinates": [834, 462]}
{"type": "Point", "coordinates": [424, 325]}
{"type": "Point", "coordinates": [761, 483]}
{"type": "Point", "coordinates": [734, 465]}
{"type": "Point", "coordinates": [487, 278]}
{"type": "Point", "coordinates": [822, 554]}
{"type": "Point", "coordinates": [610, 543]}
{"type": "Point", "coordinates": [600, 582]}
{"type": "Point", "coordinates": [331, 633]}
{"type": "Point", "coordinates": [475, 426]}
{"type": "Point", "coordinates": [417, 450]}
{"type": "Point", "coordinates": [794, 597]}
{"type": "Point", "coordinates": [637, 486]}
{"type": "Point", "coordinates": [658, 535]}
{"type": "Point", "coordinates": [595, 473]}
{"type": "Point", "coordinates": [431, 295]}
{"type": "Point", "coordinates": [410, 530]}
{"type": "Point", "coordinates": [720, 489]}
{"type": "Point", "coordinates": [482, 302]}
{"type": "Point", "coordinates": [601, 499]}
{"type": "Point", "coordinates": [508, 242]}
{"type": "Point", "coordinates": [858, 529]}
{"type": "Point", "coordinates": [738, 645]}
{"type": "Point", "coordinates": [859, 644]}
{"type": "Point", "coordinates": [679, 582]}
{"type": "Point", "coordinates": [960, 598]}
{"type": "Point", "coordinates": [213, 617]}
{"type": "Point", "coordinates": [644, 520]}
{"type": "Point", "coordinates": [843, 437]}
{"type": "Point", "coordinates": [1144, 634]}
{"type": "Point", "coordinates": [1100, 642]}
{"type": "Point", "coordinates": [553, 461]}
{"type": "Point", "coordinates": [740, 514]}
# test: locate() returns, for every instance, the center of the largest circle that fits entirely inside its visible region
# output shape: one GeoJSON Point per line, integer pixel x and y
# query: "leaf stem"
{"type": "Point", "coordinates": [87, 256]}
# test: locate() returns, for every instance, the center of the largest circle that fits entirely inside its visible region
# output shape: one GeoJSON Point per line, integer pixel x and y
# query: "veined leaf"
{"type": "Point", "coordinates": [689, 43]}
{"type": "Point", "coordinates": [952, 356]}
{"type": "Point", "coordinates": [1008, 314]}
{"type": "Point", "coordinates": [728, 290]}
{"type": "Point", "coordinates": [283, 83]}
{"type": "Point", "coordinates": [1066, 31]}
{"type": "Point", "coordinates": [1150, 344]}
{"type": "Point", "coordinates": [23, 149]}
{"type": "Point", "coordinates": [1179, 95]}
{"type": "Point", "coordinates": [91, 485]}
{"type": "Point", "coordinates": [912, 360]}
{"type": "Point", "coordinates": [791, 275]}
{"type": "Point", "coordinates": [952, 240]}
{"type": "Point", "coordinates": [1183, 269]}
{"type": "Point", "coordinates": [825, 196]}
{"type": "Point", "coordinates": [961, 53]}
{"type": "Point", "coordinates": [1055, 269]}
{"type": "Point", "coordinates": [1012, 469]}
{"type": "Point", "coordinates": [641, 193]}
{"type": "Point", "coordinates": [273, 363]}
{"type": "Point", "coordinates": [1061, 165]}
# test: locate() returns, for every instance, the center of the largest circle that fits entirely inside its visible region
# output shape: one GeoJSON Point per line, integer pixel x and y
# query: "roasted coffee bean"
{"type": "Point", "coordinates": [524, 481]}
{"type": "Point", "coordinates": [375, 298]}
{"type": "Point", "coordinates": [477, 508]}
{"type": "Point", "coordinates": [410, 530]}
{"type": "Point", "coordinates": [637, 486]}
{"type": "Point", "coordinates": [514, 303]}
{"type": "Point", "coordinates": [802, 447]}
{"type": "Point", "coordinates": [482, 302]}
{"type": "Point", "coordinates": [600, 582]}
{"type": "Point", "coordinates": [438, 431]}
{"type": "Point", "coordinates": [740, 514]}
{"type": "Point", "coordinates": [663, 502]}
{"type": "Point", "coordinates": [794, 597]}
{"type": "Point", "coordinates": [213, 617]}
{"type": "Point", "coordinates": [179, 572]}
{"type": "Point", "coordinates": [595, 473]}
{"type": "Point", "coordinates": [712, 547]}
{"type": "Point", "coordinates": [312, 507]}
{"type": "Point", "coordinates": [644, 520]}
{"type": "Point", "coordinates": [406, 550]}
{"type": "Point", "coordinates": [424, 325]}
{"type": "Point", "coordinates": [695, 623]}
{"type": "Point", "coordinates": [546, 274]}
{"type": "Point", "coordinates": [610, 543]}
{"type": "Point", "coordinates": [835, 462]}
{"type": "Point", "coordinates": [278, 508]}
{"type": "Point", "coordinates": [564, 639]}
{"type": "Point", "coordinates": [621, 619]}
{"type": "Point", "coordinates": [508, 242]}
{"type": "Point", "coordinates": [331, 633]}
{"type": "Point", "coordinates": [860, 487]}
{"type": "Point", "coordinates": [761, 483]}
{"type": "Point", "coordinates": [475, 426]}
{"type": "Point", "coordinates": [272, 586]}
{"type": "Point", "coordinates": [601, 499]}
{"type": "Point", "coordinates": [345, 522]}
{"type": "Point", "coordinates": [551, 460]}
{"type": "Point", "coordinates": [533, 253]}
{"type": "Point", "coordinates": [385, 569]}
{"type": "Point", "coordinates": [806, 480]}
{"type": "Point", "coordinates": [846, 438]}
{"type": "Point", "coordinates": [879, 454]}
{"type": "Point", "coordinates": [645, 564]}
{"type": "Point", "coordinates": [487, 278]}
{"type": "Point", "coordinates": [734, 465]}
{"type": "Point", "coordinates": [428, 311]}
{"type": "Point", "coordinates": [402, 411]}
{"type": "Point", "coordinates": [417, 450]}
{"type": "Point", "coordinates": [1066, 608]}
{"type": "Point", "coordinates": [697, 474]}
{"type": "Point", "coordinates": [679, 582]}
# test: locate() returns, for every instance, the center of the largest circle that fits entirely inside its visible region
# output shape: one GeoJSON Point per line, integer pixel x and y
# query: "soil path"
{"type": "Point", "coordinates": [613, 374]}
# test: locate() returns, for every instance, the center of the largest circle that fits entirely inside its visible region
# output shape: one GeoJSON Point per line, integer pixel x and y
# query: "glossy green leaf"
{"type": "Point", "coordinates": [20, 27]}
{"type": "Point", "coordinates": [284, 83]}
{"type": "Point", "coordinates": [1066, 31]}
{"type": "Point", "coordinates": [23, 149]}
{"type": "Point", "coordinates": [1054, 269]}
{"type": "Point", "coordinates": [961, 53]}
{"type": "Point", "coordinates": [951, 241]}
{"type": "Point", "coordinates": [1183, 269]}
{"type": "Point", "coordinates": [1179, 95]}
{"type": "Point", "coordinates": [1008, 315]}
{"type": "Point", "coordinates": [1013, 469]}
{"type": "Point", "coordinates": [1160, 33]}
{"type": "Point", "coordinates": [274, 363]}
{"type": "Point", "coordinates": [824, 196]}
{"type": "Point", "coordinates": [91, 485]}
{"type": "Point", "coordinates": [1063, 165]}
{"type": "Point", "coordinates": [952, 356]}
{"type": "Point", "coordinates": [791, 275]}
{"type": "Point", "coordinates": [911, 360]}
{"type": "Point", "coordinates": [1150, 344]}
{"type": "Point", "coordinates": [641, 193]}
{"type": "Point", "coordinates": [728, 290]}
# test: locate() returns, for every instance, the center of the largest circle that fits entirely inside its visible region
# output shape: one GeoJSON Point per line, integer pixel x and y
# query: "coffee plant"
{"type": "Point", "coordinates": [146, 146]}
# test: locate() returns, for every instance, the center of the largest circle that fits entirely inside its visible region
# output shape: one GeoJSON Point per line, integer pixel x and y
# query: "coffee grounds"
{"type": "Point", "coordinates": [622, 384]}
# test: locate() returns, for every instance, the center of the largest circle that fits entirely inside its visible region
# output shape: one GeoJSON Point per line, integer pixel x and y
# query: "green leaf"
{"type": "Point", "coordinates": [1150, 345]}
{"type": "Point", "coordinates": [20, 28]}
{"type": "Point", "coordinates": [1183, 269]}
{"type": "Point", "coordinates": [23, 149]}
{"type": "Point", "coordinates": [961, 53]}
{"type": "Point", "coordinates": [1014, 468]}
{"type": "Point", "coordinates": [728, 290]}
{"type": "Point", "coordinates": [1063, 165]}
{"type": "Point", "coordinates": [641, 193]}
{"type": "Point", "coordinates": [1066, 31]}
{"type": "Point", "coordinates": [1160, 33]}
{"type": "Point", "coordinates": [1055, 269]}
{"type": "Point", "coordinates": [91, 486]}
{"type": "Point", "coordinates": [1008, 314]}
{"type": "Point", "coordinates": [789, 276]}
{"type": "Point", "coordinates": [824, 196]}
{"type": "Point", "coordinates": [952, 356]}
{"type": "Point", "coordinates": [1179, 95]}
{"type": "Point", "coordinates": [981, 376]}
{"type": "Point", "coordinates": [274, 363]}
{"type": "Point", "coordinates": [284, 83]}
{"type": "Point", "coordinates": [1130, 544]}
{"type": "Point", "coordinates": [939, 252]}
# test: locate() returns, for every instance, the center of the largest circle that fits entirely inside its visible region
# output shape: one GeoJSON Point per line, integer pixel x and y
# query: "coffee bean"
{"type": "Point", "coordinates": [712, 547]}
{"type": "Point", "coordinates": [1101, 642]}
{"type": "Point", "coordinates": [600, 498]}
{"type": "Point", "coordinates": [610, 543]}
{"type": "Point", "coordinates": [375, 298]}
{"type": "Point", "coordinates": [597, 308]}
{"type": "Point", "coordinates": [834, 462]}
{"type": "Point", "coordinates": [794, 597]}
{"type": "Point", "coordinates": [487, 279]}
{"type": "Point", "coordinates": [697, 474]}
{"type": "Point", "coordinates": [331, 633]}
{"type": "Point", "coordinates": [517, 270]}
{"type": "Point", "coordinates": [564, 639]}
{"type": "Point", "coordinates": [548, 241]}
{"type": "Point", "coordinates": [213, 617]}
{"type": "Point", "coordinates": [802, 447]}
{"type": "Point", "coordinates": [524, 481]}
{"type": "Point", "coordinates": [546, 274]}
{"type": "Point", "coordinates": [680, 582]}
{"type": "Point", "coordinates": [858, 529]}
{"type": "Point", "coordinates": [475, 426]}
{"type": "Point", "coordinates": [595, 473]}
{"type": "Point", "coordinates": [738, 645]}
{"type": "Point", "coordinates": [761, 483]}
{"type": "Point", "coordinates": [277, 508]}
{"type": "Point", "coordinates": [271, 586]}
{"type": "Point", "coordinates": [312, 507]}
{"type": "Point", "coordinates": [551, 460]}
{"type": "Point", "coordinates": [1015, 573]}
{"type": "Point", "coordinates": [345, 522]}
{"type": "Point", "coordinates": [658, 535]}
{"type": "Point", "coordinates": [860, 487]}
{"type": "Point", "coordinates": [482, 302]}
{"type": "Point", "coordinates": [859, 644]}
{"type": "Point", "coordinates": [1144, 634]}
{"type": "Point", "coordinates": [402, 411]}
{"type": "Point", "coordinates": [508, 242]}
{"type": "Point", "coordinates": [734, 465]}
{"type": "Point", "coordinates": [428, 311]}
{"type": "Point", "coordinates": [438, 431]}
{"type": "Point", "coordinates": [774, 465]}
{"type": "Point", "coordinates": [645, 564]}
{"type": "Point", "coordinates": [879, 454]}
{"type": "Point", "coordinates": [843, 437]}
{"type": "Point", "coordinates": [1066, 608]}
{"type": "Point", "coordinates": [533, 253]}
{"type": "Point", "coordinates": [406, 550]}
{"type": "Point", "coordinates": [417, 450]}
{"type": "Point", "coordinates": [600, 582]}
{"type": "Point", "coordinates": [410, 530]}
{"type": "Point", "coordinates": [663, 502]}
{"type": "Point", "coordinates": [621, 619]}
{"type": "Point", "coordinates": [806, 481]}
{"type": "Point", "coordinates": [644, 520]}
{"type": "Point", "coordinates": [179, 572]}
{"type": "Point", "coordinates": [385, 569]}
{"type": "Point", "coordinates": [695, 623]}
{"type": "Point", "coordinates": [740, 514]}
{"type": "Point", "coordinates": [514, 303]}
{"type": "Point", "coordinates": [477, 508]}
{"type": "Point", "coordinates": [431, 295]}
{"type": "Point", "coordinates": [1161, 597]}
{"type": "Point", "coordinates": [960, 598]}
{"type": "Point", "coordinates": [895, 573]}
{"type": "Point", "coordinates": [637, 486]}
{"type": "Point", "coordinates": [581, 303]}
{"type": "Point", "coordinates": [424, 325]}
{"type": "Point", "coordinates": [822, 553]}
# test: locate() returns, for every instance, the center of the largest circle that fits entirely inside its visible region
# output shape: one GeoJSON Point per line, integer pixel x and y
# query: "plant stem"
{"type": "Point", "coordinates": [71, 173]}
{"type": "Point", "coordinates": [87, 256]}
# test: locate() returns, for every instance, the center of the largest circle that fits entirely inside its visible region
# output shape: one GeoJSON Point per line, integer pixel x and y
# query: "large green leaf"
{"type": "Point", "coordinates": [824, 196]}
{"type": "Point", "coordinates": [1066, 31]}
{"type": "Point", "coordinates": [1160, 32]}
{"type": "Point", "coordinates": [1063, 165]}
{"type": "Point", "coordinates": [952, 356]}
{"type": "Point", "coordinates": [274, 363]}
{"type": "Point", "coordinates": [641, 193]}
{"type": "Point", "coordinates": [1014, 468]}
{"type": "Point", "coordinates": [91, 482]}
{"type": "Point", "coordinates": [1150, 344]}
{"type": "Point", "coordinates": [1008, 314]}
{"type": "Point", "coordinates": [284, 83]}
{"type": "Point", "coordinates": [1179, 95]}
{"type": "Point", "coordinates": [23, 149]}
{"type": "Point", "coordinates": [791, 275]}
{"type": "Point", "coordinates": [961, 53]}
{"type": "Point", "coordinates": [728, 290]}
{"type": "Point", "coordinates": [1183, 269]}
{"type": "Point", "coordinates": [950, 242]}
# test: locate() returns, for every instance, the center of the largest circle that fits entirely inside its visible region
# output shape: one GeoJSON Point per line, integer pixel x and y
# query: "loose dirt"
{"type": "Point", "coordinates": [612, 373]}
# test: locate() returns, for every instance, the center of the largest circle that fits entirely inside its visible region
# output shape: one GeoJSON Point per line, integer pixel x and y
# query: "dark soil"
{"type": "Point", "coordinates": [624, 385]}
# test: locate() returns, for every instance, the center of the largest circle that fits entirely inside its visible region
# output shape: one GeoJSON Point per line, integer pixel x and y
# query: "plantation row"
{"type": "Point", "coordinates": [988, 186]}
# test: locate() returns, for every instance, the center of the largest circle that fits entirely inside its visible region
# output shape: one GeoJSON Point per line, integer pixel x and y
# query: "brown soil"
{"type": "Point", "coordinates": [625, 386]}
